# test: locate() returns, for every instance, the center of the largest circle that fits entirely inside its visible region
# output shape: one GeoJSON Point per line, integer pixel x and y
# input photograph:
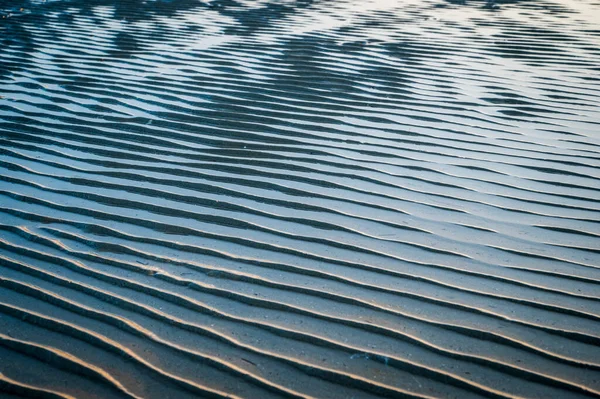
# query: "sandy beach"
{"type": "Point", "coordinates": [305, 199]}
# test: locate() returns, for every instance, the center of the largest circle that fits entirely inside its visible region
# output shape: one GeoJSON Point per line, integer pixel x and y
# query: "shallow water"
{"type": "Point", "coordinates": [328, 199]}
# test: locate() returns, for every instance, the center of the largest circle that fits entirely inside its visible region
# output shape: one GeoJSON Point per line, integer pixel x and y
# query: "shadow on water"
{"type": "Point", "coordinates": [306, 76]}
{"type": "Point", "coordinates": [307, 59]}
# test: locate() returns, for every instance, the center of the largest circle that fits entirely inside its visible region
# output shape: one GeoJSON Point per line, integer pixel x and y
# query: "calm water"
{"type": "Point", "coordinates": [332, 199]}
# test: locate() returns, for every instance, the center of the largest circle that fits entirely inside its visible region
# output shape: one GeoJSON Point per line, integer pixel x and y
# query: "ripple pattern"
{"type": "Point", "coordinates": [302, 199]}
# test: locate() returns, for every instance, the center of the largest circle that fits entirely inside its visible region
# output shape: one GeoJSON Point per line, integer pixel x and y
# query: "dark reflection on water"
{"type": "Point", "coordinates": [301, 54]}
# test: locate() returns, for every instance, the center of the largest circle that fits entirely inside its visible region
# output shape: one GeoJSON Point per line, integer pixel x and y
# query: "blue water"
{"type": "Point", "coordinates": [327, 199]}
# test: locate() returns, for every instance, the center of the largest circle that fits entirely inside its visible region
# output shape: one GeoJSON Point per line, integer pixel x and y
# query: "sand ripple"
{"type": "Point", "coordinates": [299, 199]}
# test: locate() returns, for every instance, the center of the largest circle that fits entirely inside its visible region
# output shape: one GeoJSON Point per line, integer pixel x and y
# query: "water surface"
{"type": "Point", "coordinates": [332, 199]}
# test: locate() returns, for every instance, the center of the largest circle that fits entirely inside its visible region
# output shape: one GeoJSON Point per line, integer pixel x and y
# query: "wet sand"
{"type": "Point", "coordinates": [330, 199]}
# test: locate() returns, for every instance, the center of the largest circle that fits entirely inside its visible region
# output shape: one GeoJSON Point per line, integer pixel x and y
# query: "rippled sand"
{"type": "Point", "coordinates": [332, 199]}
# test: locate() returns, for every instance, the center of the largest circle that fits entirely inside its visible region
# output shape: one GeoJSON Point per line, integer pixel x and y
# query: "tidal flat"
{"type": "Point", "coordinates": [305, 199]}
